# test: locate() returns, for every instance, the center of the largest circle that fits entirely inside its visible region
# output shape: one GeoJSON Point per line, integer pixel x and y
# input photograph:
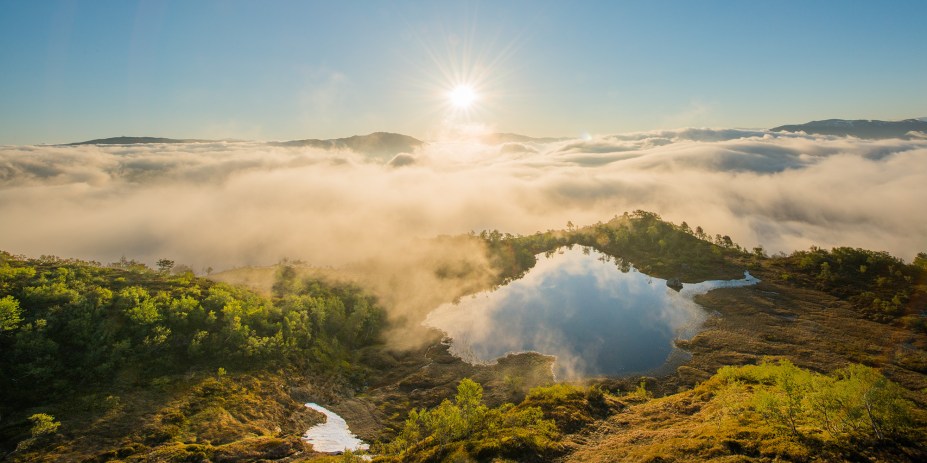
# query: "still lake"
{"type": "Point", "coordinates": [579, 306]}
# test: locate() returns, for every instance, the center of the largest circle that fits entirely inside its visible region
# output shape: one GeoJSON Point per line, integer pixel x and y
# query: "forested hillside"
{"type": "Point", "coordinates": [77, 331]}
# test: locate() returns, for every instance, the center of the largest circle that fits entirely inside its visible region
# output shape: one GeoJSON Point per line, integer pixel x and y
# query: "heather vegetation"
{"type": "Point", "coordinates": [879, 285]}
{"type": "Point", "coordinates": [772, 411]}
{"type": "Point", "coordinates": [855, 403]}
{"type": "Point", "coordinates": [467, 429]}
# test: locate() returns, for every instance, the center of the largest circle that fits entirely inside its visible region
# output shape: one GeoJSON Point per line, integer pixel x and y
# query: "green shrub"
{"type": "Point", "coordinates": [465, 428]}
{"type": "Point", "coordinates": [856, 402]}
{"type": "Point", "coordinates": [43, 425]}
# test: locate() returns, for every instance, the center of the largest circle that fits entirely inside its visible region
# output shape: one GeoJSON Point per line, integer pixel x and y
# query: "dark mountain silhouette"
{"type": "Point", "coordinates": [858, 128]}
{"type": "Point", "coordinates": [123, 140]}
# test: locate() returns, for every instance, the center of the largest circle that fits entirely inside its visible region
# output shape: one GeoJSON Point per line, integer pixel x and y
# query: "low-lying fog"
{"type": "Point", "coordinates": [239, 203]}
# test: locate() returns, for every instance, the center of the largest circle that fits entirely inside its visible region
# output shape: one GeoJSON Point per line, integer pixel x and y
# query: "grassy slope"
{"type": "Point", "coordinates": [182, 419]}
{"type": "Point", "coordinates": [813, 329]}
{"type": "Point", "coordinates": [712, 423]}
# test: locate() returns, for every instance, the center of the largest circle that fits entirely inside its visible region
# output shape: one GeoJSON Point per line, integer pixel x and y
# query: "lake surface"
{"type": "Point", "coordinates": [579, 306]}
{"type": "Point", "coordinates": [333, 435]}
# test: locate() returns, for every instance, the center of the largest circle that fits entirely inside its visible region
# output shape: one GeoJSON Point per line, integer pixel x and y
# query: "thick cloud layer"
{"type": "Point", "coordinates": [231, 204]}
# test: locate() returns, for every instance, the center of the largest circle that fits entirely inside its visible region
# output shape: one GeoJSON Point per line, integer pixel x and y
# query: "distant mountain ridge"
{"type": "Point", "coordinates": [861, 128]}
{"type": "Point", "coordinates": [378, 144]}
{"type": "Point", "coordinates": [385, 143]}
{"type": "Point", "coordinates": [499, 138]}
{"type": "Point", "coordinates": [124, 140]}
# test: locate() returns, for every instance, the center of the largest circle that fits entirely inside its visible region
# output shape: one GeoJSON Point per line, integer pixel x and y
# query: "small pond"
{"type": "Point", "coordinates": [332, 436]}
{"type": "Point", "coordinates": [579, 306]}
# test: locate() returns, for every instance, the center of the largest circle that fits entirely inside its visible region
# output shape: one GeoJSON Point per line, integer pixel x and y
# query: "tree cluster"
{"type": "Point", "coordinates": [67, 326]}
{"type": "Point", "coordinates": [878, 284]}
{"type": "Point", "coordinates": [465, 429]}
{"type": "Point", "coordinates": [655, 246]}
{"type": "Point", "coordinates": [856, 403]}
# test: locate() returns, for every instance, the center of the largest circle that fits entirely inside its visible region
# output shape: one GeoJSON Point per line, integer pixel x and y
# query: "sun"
{"type": "Point", "coordinates": [462, 96]}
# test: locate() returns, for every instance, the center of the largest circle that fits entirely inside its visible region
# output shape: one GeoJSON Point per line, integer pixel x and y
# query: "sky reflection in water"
{"type": "Point", "coordinates": [580, 307]}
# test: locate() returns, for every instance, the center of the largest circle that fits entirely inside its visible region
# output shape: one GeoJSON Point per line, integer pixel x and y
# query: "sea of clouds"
{"type": "Point", "coordinates": [228, 204]}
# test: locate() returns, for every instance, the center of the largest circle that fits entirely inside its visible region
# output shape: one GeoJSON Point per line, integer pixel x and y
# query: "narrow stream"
{"type": "Point", "coordinates": [332, 436]}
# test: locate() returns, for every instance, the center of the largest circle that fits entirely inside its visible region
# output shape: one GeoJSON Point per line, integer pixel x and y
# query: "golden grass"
{"type": "Point", "coordinates": [714, 422]}
{"type": "Point", "coordinates": [186, 419]}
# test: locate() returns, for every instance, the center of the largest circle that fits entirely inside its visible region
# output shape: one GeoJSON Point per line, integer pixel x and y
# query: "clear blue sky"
{"type": "Point", "coordinates": [74, 70]}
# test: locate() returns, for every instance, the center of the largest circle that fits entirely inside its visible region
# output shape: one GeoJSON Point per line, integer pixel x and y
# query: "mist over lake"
{"type": "Point", "coordinates": [596, 315]}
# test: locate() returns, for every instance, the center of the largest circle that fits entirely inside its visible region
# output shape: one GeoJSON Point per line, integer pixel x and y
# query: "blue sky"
{"type": "Point", "coordinates": [286, 70]}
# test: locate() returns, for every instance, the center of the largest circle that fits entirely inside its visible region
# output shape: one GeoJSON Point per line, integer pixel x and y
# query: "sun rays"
{"type": "Point", "coordinates": [462, 97]}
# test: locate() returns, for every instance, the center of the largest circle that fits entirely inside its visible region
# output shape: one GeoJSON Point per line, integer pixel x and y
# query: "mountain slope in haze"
{"type": "Point", "coordinates": [124, 140]}
{"type": "Point", "coordinates": [860, 128]}
{"type": "Point", "coordinates": [378, 144]}
{"type": "Point", "coordinates": [500, 138]}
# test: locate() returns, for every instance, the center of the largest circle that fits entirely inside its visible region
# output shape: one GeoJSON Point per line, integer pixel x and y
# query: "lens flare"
{"type": "Point", "coordinates": [462, 96]}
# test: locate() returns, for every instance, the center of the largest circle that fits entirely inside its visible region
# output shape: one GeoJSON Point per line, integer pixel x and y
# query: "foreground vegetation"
{"type": "Point", "coordinates": [773, 411]}
{"type": "Point", "coordinates": [467, 428]}
{"type": "Point", "coordinates": [79, 339]}
{"type": "Point", "coordinates": [124, 363]}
